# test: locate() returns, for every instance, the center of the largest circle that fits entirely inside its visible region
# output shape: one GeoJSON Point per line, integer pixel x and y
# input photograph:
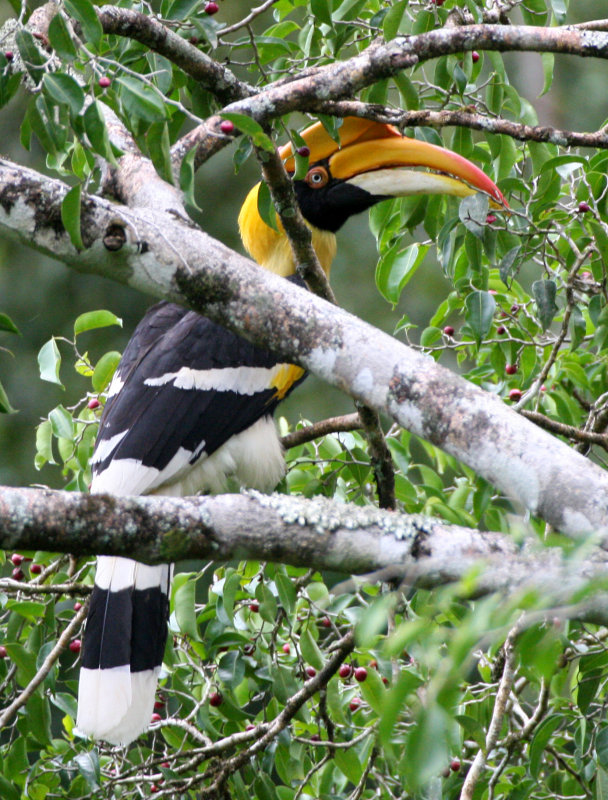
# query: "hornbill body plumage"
{"type": "Point", "coordinates": [190, 408]}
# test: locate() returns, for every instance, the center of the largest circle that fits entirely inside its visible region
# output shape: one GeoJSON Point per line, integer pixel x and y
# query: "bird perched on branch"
{"type": "Point", "coordinates": [190, 408]}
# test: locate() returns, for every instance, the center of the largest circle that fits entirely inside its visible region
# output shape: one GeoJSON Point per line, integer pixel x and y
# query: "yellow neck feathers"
{"type": "Point", "coordinates": [271, 249]}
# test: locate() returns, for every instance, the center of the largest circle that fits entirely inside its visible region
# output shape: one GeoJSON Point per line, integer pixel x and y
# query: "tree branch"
{"type": "Point", "coordinates": [166, 256]}
{"type": "Point", "coordinates": [348, 422]}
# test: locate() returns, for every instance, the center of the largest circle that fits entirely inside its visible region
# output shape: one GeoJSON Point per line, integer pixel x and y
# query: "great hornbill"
{"type": "Point", "coordinates": [190, 408]}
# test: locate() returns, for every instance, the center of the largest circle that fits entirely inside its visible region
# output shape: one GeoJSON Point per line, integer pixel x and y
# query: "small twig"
{"type": "Point", "coordinates": [560, 428]}
{"type": "Point", "coordinates": [500, 707]}
{"type": "Point", "coordinates": [298, 232]}
{"type": "Point", "coordinates": [10, 711]}
{"type": "Point", "coordinates": [343, 424]}
{"type": "Point", "coordinates": [255, 12]}
{"type": "Point", "coordinates": [280, 722]}
{"type": "Point", "coordinates": [380, 455]}
{"type": "Point", "coordinates": [8, 584]}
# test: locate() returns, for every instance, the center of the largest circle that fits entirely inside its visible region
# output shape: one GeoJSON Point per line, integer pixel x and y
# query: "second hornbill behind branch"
{"type": "Point", "coordinates": [190, 408]}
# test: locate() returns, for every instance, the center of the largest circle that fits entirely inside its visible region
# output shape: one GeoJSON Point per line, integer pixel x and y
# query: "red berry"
{"type": "Point", "coordinates": [326, 622]}
{"type": "Point", "coordinates": [511, 369]}
{"type": "Point", "coordinates": [104, 82]}
{"type": "Point", "coordinates": [216, 699]}
{"type": "Point", "coordinates": [165, 764]}
{"type": "Point", "coordinates": [286, 648]}
{"type": "Point", "coordinates": [93, 403]}
{"type": "Point", "coordinates": [303, 151]}
{"type": "Point", "coordinates": [311, 672]}
{"type": "Point", "coordinates": [360, 674]}
{"type": "Point", "coordinates": [586, 275]}
{"type": "Point", "coordinates": [211, 8]}
{"type": "Point", "coordinates": [249, 727]}
{"type": "Point", "coordinates": [455, 765]}
{"type": "Point", "coordinates": [3, 651]}
{"type": "Point", "coordinates": [193, 40]}
{"type": "Point", "coordinates": [354, 703]}
{"type": "Point", "coordinates": [9, 55]}
{"type": "Point", "coordinates": [17, 559]}
{"type": "Point", "coordinates": [385, 680]}
{"type": "Point", "coordinates": [249, 649]}
{"type": "Point", "coordinates": [18, 574]}
{"type": "Point", "coordinates": [514, 308]}
{"type": "Point", "coordinates": [36, 569]}
{"type": "Point", "coordinates": [543, 388]}
{"type": "Point", "coordinates": [448, 330]}
{"type": "Point", "coordinates": [315, 738]}
{"type": "Point", "coordinates": [159, 704]}
{"type": "Point", "coordinates": [501, 330]}
{"type": "Point", "coordinates": [153, 788]}
{"type": "Point", "coordinates": [584, 207]}
{"type": "Point", "coordinates": [226, 126]}
{"type": "Point", "coordinates": [75, 645]}
{"type": "Point", "coordinates": [155, 717]}
{"type": "Point", "coordinates": [77, 606]}
{"type": "Point", "coordinates": [475, 56]}
{"type": "Point", "coordinates": [492, 291]}
{"type": "Point", "coordinates": [491, 219]}
{"type": "Point", "coordinates": [373, 664]}
{"type": "Point", "coordinates": [254, 607]}
{"type": "Point", "coordinates": [345, 671]}
{"type": "Point", "coordinates": [515, 394]}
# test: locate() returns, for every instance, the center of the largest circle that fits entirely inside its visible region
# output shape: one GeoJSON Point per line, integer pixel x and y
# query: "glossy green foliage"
{"type": "Point", "coordinates": [520, 309]}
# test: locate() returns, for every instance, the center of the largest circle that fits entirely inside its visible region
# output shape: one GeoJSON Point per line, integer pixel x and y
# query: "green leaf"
{"type": "Point", "coordinates": [62, 423]}
{"type": "Point", "coordinates": [84, 12]}
{"type": "Point", "coordinates": [44, 444]}
{"type": "Point", "coordinates": [540, 740]}
{"type": "Point", "coordinates": [97, 132]}
{"type": "Point", "coordinates": [473, 212]}
{"type": "Point", "coordinates": [63, 89]}
{"type": "Point", "coordinates": [392, 19]}
{"type": "Point", "coordinates": [310, 650]}
{"type": "Point", "coordinates": [92, 320]}
{"type": "Point", "coordinates": [9, 82]}
{"type": "Point", "coordinates": [578, 327]}
{"type": "Point", "coordinates": [159, 150]}
{"type": "Point", "coordinates": [5, 406]}
{"type": "Point", "coordinates": [287, 592]}
{"type": "Point", "coordinates": [104, 370]}
{"type": "Point", "coordinates": [266, 207]}
{"type": "Point", "coordinates": [49, 362]}
{"type": "Point", "coordinates": [183, 604]}
{"type": "Point", "coordinates": [601, 784]}
{"type": "Point", "coordinates": [548, 62]}
{"type": "Point", "coordinates": [70, 215]}
{"type": "Point", "coordinates": [480, 308]}
{"type": "Point", "coordinates": [509, 264]}
{"type": "Point", "coordinates": [61, 39]}
{"type": "Point", "coordinates": [251, 128]}
{"type": "Point", "coordinates": [544, 292]}
{"type": "Point", "coordinates": [7, 324]}
{"type": "Point", "coordinates": [396, 267]}
{"type": "Point", "coordinates": [231, 669]}
{"type": "Point", "coordinates": [601, 746]}
{"type": "Point", "coordinates": [321, 10]}
{"type": "Point", "coordinates": [31, 55]}
{"type": "Point", "coordinates": [88, 766]}
{"type": "Point", "coordinates": [141, 101]}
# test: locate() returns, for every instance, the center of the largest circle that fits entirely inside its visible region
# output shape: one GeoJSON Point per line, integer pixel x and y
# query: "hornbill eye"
{"type": "Point", "coordinates": [317, 177]}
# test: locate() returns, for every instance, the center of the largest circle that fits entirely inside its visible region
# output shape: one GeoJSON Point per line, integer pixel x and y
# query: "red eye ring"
{"type": "Point", "coordinates": [317, 177]}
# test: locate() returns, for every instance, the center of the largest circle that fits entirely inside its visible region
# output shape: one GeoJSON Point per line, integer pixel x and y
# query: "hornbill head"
{"type": "Point", "coordinates": [373, 162]}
